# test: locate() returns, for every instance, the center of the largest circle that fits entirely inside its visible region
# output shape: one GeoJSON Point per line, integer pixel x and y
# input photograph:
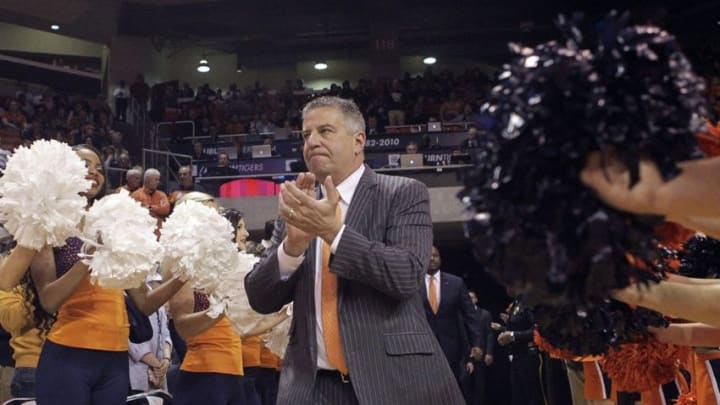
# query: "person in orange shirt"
{"type": "Point", "coordinates": [18, 316]}
{"type": "Point", "coordinates": [153, 199]}
{"type": "Point", "coordinates": [84, 360]}
{"type": "Point", "coordinates": [212, 371]}
{"type": "Point", "coordinates": [133, 179]}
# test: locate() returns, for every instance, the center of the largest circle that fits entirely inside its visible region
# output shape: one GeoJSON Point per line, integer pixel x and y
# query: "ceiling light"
{"type": "Point", "coordinates": [54, 27]}
{"type": "Point", "coordinates": [321, 66]}
{"type": "Point", "coordinates": [203, 66]}
{"type": "Point", "coordinates": [430, 60]}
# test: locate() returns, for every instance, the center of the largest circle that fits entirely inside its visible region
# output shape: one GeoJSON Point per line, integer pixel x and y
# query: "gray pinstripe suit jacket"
{"type": "Point", "coordinates": [392, 354]}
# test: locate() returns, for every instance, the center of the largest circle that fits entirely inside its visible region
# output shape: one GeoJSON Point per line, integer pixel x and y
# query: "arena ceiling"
{"type": "Point", "coordinates": [340, 28]}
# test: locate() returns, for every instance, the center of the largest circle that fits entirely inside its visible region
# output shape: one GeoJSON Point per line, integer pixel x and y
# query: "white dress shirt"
{"type": "Point", "coordinates": [288, 264]}
{"type": "Point", "coordinates": [436, 276]}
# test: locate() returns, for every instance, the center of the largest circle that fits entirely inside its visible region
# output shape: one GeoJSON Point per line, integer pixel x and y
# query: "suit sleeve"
{"type": "Point", "coordinates": [267, 291]}
{"type": "Point", "coordinates": [525, 336]}
{"type": "Point", "coordinates": [490, 340]}
{"type": "Point", "coordinates": [394, 266]}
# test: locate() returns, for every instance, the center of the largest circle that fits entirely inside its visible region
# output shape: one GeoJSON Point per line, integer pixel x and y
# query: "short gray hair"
{"type": "Point", "coordinates": [135, 171]}
{"type": "Point", "coordinates": [151, 172]}
{"type": "Point", "coordinates": [354, 120]}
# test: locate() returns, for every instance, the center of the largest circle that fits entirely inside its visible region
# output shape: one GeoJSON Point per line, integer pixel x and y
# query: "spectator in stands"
{"type": "Point", "coordinates": [90, 140]}
{"type": "Point", "coordinates": [186, 91]}
{"type": "Point", "coordinates": [153, 199]}
{"type": "Point", "coordinates": [88, 133]}
{"type": "Point", "coordinates": [185, 185]}
{"type": "Point", "coordinates": [472, 140]}
{"type": "Point", "coordinates": [283, 132]}
{"type": "Point", "coordinates": [108, 153]}
{"type": "Point", "coordinates": [223, 167]}
{"type": "Point", "coordinates": [213, 134]}
{"type": "Point", "coordinates": [121, 95]}
{"type": "Point", "coordinates": [451, 108]}
{"type": "Point", "coordinates": [412, 147]}
{"type": "Point", "coordinates": [235, 126]}
{"type": "Point", "coordinates": [347, 91]}
{"type": "Point", "coordinates": [265, 126]}
{"type": "Point", "coordinates": [269, 140]}
{"type": "Point", "coordinates": [13, 117]}
{"type": "Point", "coordinates": [140, 92]}
{"type": "Point", "coordinates": [395, 104]}
{"type": "Point", "coordinates": [116, 139]}
{"type": "Point", "coordinates": [118, 170]}
{"type": "Point", "coordinates": [204, 130]}
{"type": "Point", "coordinates": [133, 178]}
{"type": "Point", "coordinates": [372, 125]}
{"type": "Point", "coordinates": [149, 361]}
{"type": "Point", "coordinates": [199, 152]}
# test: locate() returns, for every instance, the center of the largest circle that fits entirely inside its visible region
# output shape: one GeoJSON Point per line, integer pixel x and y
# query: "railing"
{"type": "Point", "coordinates": [160, 125]}
{"type": "Point", "coordinates": [166, 162]}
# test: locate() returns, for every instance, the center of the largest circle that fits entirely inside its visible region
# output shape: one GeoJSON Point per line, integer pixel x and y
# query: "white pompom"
{"type": "Point", "coordinates": [40, 190]}
{"type": "Point", "coordinates": [277, 339]}
{"type": "Point", "coordinates": [242, 317]}
{"type": "Point", "coordinates": [128, 251]}
{"type": "Point", "coordinates": [201, 241]}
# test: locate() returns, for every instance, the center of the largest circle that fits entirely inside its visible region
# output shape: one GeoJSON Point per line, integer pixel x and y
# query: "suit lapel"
{"type": "Point", "coordinates": [356, 217]}
{"type": "Point", "coordinates": [359, 206]}
{"type": "Point", "coordinates": [425, 298]}
{"type": "Point", "coordinates": [444, 291]}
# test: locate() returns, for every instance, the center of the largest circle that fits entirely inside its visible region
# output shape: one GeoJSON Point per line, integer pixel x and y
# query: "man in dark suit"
{"type": "Point", "coordinates": [525, 358]}
{"type": "Point", "coordinates": [352, 262]}
{"type": "Point", "coordinates": [449, 310]}
{"type": "Point", "coordinates": [475, 382]}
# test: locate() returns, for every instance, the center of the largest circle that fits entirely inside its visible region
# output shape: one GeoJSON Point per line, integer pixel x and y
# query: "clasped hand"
{"type": "Point", "coordinates": [305, 215]}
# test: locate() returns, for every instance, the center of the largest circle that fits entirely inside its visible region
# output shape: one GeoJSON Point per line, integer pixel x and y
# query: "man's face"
{"type": "Point", "coordinates": [185, 176]}
{"type": "Point", "coordinates": [472, 132]}
{"type": "Point", "coordinates": [411, 148]}
{"type": "Point", "coordinates": [198, 148]}
{"type": "Point", "coordinates": [435, 261]}
{"type": "Point", "coordinates": [473, 297]}
{"type": "Point", "coordinates": [133, 181]}
{"type": "Point", "coordinates": [151, 182]}
{"type": "Point", "coordinates": [223, 160]}
{"type": "Point", "coordinates": [329, 148]}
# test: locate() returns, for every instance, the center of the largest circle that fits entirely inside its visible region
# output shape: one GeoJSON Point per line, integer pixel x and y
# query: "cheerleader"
{"type": "Point", "coordinates": [212, 371]}
{"type": "Point", "coordinates": [84, 358]}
